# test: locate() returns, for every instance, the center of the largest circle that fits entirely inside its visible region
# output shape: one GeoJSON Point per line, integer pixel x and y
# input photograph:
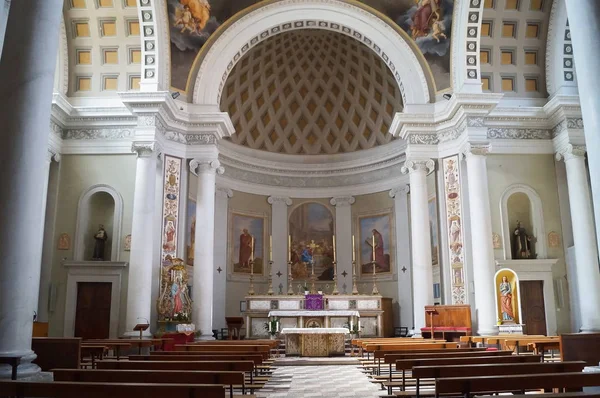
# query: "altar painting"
{"type": "Point", "coordinates": [379, 227]}
{"type": "Point", "coordinates": [508, 297]}
{"type": "Point", "coordinates": [190, 231]}
{"type": "Point", "coordinates": [427, 22]}
{"type": "Point", "coordinates": [311, 229]}
{"type": "Point", "coordinates": [246, 229]}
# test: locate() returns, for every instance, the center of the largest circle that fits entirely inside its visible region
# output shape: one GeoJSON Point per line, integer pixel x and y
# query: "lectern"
{"type": "Point", "coordinates": [234, 324]}
{"type": "Point", "coordinates": [141, 327]}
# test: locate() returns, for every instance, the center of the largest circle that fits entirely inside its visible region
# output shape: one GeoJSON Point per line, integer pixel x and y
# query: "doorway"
{"type": "Point", "coordinates": [92, 315]}
{"type": "Point", "coordinates": [532, 307]}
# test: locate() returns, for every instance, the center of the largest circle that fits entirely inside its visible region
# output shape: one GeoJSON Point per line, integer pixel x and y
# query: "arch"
{"type": "Point", "coordinates": [556, 71]}
{"type": "Point", "coordinates": [466, 38]}
{"type": "Point", "coordinates": [83, 215]}
{"type": "Point", "coordinates": [397, 51]}
{"type": "Point", "coordinates": [537, 215]}
{"type": "Point", "coordinates": [154, 36]}
{"type": "Point", "coordinates": [61, 76]}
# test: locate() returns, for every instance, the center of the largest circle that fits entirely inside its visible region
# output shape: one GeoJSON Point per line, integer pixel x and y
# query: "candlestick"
{"type": "Point", "coordinates": [290, 279]}
{"type": "Point", "coordinates": [353, 250]}
{"type": "Point", "coordinates": [270, 247]}
{"type": "Point", "coordinates": [354, 287]}
{"type": "Point", "coordinates": [375, 291]}
{"type": "Point", "coordinates": [334, 258]}
{"type": "Point", "coordinates": [251, 289]}
{"type": "Point", "coordinates": [270, 291]}
{"type": "Point", "coordinates": [290, 248]}
{"type": "Point", "coordinates": [252, 248]}
{"type": "Point", "coordinates": [335, 288]}
{"type": "Point", "coordinates": [373, 246]}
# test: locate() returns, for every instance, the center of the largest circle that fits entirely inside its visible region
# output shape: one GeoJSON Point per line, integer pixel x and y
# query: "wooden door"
{"type": "Point", "coordinates": [532, 306]}
{"type": "Point", "coordinates": [92, 317]}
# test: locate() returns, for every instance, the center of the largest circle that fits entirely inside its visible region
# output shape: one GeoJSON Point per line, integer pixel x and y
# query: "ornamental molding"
{"type": "Point", "coordinates": [342, 201]}
{"type": "Point", "coordinates": [144, 149]}
{"type": "Point", "coordinates": [399, 192]}
{"type": "Point", "coordinates": [564, 125]}
{"type": "Point", "coordinates": [202, 166]}
{"type": "Point", "coordinates": [412, 166]}
{"type": "Point", "coordinates": [272, 200]}
{"type": "Point", "coordinates": [99, 134]}
{"type": "Point", "coordinates": [476, 149]}
{"type": "Point", "coordinates": [518, 134]}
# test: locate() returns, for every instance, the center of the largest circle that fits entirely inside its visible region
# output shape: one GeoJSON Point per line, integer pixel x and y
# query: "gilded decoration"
{"type": "Point", "coordinates": [455, 230]}
{"type": "Point", "coordinates": [174, 302]}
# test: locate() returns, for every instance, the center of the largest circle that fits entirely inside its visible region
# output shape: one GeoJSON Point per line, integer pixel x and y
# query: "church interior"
{"type": "Point", "coordinates": [290, 198]}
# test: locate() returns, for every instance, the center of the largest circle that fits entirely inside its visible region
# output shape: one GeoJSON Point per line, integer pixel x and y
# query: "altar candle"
{"type": "Point", "coordinates": [351, 324]}
{"type": "Point", "coordinates": [353, 250]}
{"type": "Point", "coordinates": [359, 325]}
{"type": "Point", "coordinates": [289, 248]}
{"type": "Point", "coordinates": [334, 248]}
{"type": "Point", "coordinates": [373, 245]}
{"type": "Point", "coordinates": [270, 247]}
{"type": "Point", "coordinates": [277, 329]}
{"type": "Point", "coordinates": [251, 248]}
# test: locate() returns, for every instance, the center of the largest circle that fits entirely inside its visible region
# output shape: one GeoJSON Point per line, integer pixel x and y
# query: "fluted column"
{"type": "Point", "coordinates": [46, 267]}
{"type": "Point", "coordinates": [403, 261]}
{"type": "Point", "coordinates": [584, 19]}
{"type": "Point", "coordinates": [220, 268]}
{"type": "Point", "coordinates": [279, 231]}
{"type": "Point", "coordinates": [343, 240]}
{"type": "Point", "coordinates": [481, 238]}
{"type": "Point", "coordinates": [139, 290]}
{"type": "Point", "coordinates": [586, 251]}
{"type": "Point", "coordinates": [25, 96]}
{"type": "Point", "coordinates": [421, 238]}
{"type": "Point", "coordinates": [204, 259]}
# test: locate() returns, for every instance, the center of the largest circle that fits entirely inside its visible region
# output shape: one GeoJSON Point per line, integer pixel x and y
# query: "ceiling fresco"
{"type": "Point", "coordinates": [427, 22]}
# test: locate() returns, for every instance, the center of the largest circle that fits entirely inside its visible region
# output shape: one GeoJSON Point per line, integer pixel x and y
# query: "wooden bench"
{"type": "Point", "coordinates": [541, 347]}
{"type": "Point", "coordinates": [436, 372]}
{"type": "Point", "coordinates": [22, 389]}
{"type": "Point", "coordinates": [466, 386]}
{"type": "Point", "coordinates": [265, 355]}
{"type": "Point", "coordinates": [227, 378]}
{"type": "Point", "coordinates": [57, 352]}
{"type": "Point", "coordinates": [380, 354]}
{"type": "Point", "coordinates": [95, 352]}
{"type": "Point", "coordinates": [257, 359]}
{"type": "Point", "coordinates": [580, 347]}
{"type": "Point", "coordinates": [219, 348]}
{"type": "Point", "coordinates": [115, 345]}
{"type": "Point", "coordinates": [406, 347]}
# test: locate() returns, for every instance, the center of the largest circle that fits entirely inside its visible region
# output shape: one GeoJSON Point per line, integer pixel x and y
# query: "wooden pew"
{"type": "Point", "coordinates": [115, 345]}
{"type": "Point", "coordinates": [580, 347]}
{"type": "Point", "coordinates": [265, 356]}
{"type": "Point", "coordinates": [517, 342]}
{"type": "Point", "coordinates": [541, 347]}
{"type": "Point", "coordinates": [467, 386]}
{"type": "Point", "coordinates": [57, 352]}
{"type": "Point", "coordinates": [380, 354]}
{"type": "Point", "coordinates": [256, 359]}
{"type": "Point", "coordinates": [103, 390]}
{"type": "Point", "coordinates": [94, 352]}
{"type": "Point", "coordinates": [227, 378]}
{"type": "Point", "coordinates": [215, 348]}
{"type": "Point", "coordinates": [406, 347]}
{"type": "Point", "coordinates": [407, 364]}
{"type": "Point", "coordinates": [436, 372]}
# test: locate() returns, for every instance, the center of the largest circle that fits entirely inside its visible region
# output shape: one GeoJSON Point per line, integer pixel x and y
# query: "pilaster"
{"type": "Point", "coordinates": [343, 240]}
{"type": "Point", "coordinates": [220, 267]}
{"type": "Point", "coordinates": [280, 232]}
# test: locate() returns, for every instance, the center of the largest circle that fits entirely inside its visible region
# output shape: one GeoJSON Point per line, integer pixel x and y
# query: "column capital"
{"type": "Point", "coordinates": [144, 149]}
{"type": "Point", "coordinates": [399, 191]}
{"type": "Point", "coordinates": [279, 199]}
{"type": "Point", "coordinates": [341, 201]}
{"type": "Point", "coordinates": [224, 193]}
{"type": "Point", "coordinates": [477, 149]}
{"type": "Point", "coordinates": [411, 166]}
{"type": "Point", "coordinates": [198, 166]}
{"type": "Point", "coordinates": [53, 156]}
{"type": "Point", "coordinates": [571, 152]}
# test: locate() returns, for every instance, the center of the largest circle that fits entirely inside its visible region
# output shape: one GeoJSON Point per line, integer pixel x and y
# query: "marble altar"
{"type": "Point", "coordinates": [315, 342]}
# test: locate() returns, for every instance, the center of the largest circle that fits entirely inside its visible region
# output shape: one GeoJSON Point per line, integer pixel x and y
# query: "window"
{"type": "Point", "coordinates": [134, 82]}
{"type": "Point", "coordinates": [77, 3]}
{"type": "Point", "coordinates": [536, 5]}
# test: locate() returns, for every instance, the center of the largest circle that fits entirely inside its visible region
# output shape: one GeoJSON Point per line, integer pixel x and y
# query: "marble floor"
{"type": "Point", "coordinates": [319, 381]}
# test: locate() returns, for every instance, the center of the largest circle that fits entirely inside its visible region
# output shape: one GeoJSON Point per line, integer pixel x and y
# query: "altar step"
{"type": "Point", "coordinates": [316, 361]}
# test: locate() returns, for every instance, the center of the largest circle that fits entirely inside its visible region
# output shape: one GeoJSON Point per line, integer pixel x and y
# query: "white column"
{"type": "Point", "coordinates": [343, 241]}
{"type": "Point", "coordinates": [25, 96]}
{"type": "Point", "coordinates": [204, 258]}
{"type": "Point", "coordinates": [481, 238]}
{"type": "Point", "coordinates": [46, 268]}
{"type": "Point", "coordinates": [422, 271]}
{"type": "Point", "coordinates": [405, 298]}
{"type": "Point", "coordinates": [220, 268]}
{"type": "Point", "coordinates": [584, 19]}
{"type": "Point", "coordinates": [139, 288]}
{"type": "Point", "coordinates": [586, 251]}
{"type": "Point", "coordinates": [279, 231]}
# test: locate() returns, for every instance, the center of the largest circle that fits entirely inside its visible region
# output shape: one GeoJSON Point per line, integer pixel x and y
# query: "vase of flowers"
{"type": "Point", "coordinates": [272, 327]}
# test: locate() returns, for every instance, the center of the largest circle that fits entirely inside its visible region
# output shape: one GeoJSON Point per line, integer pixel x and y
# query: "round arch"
{"type": "Point", "coordinates": [395, 49]}
{"type": "Point", "coordinates": [559, 77]}
{"type": "Point", "coordinates": [537, 215]}
{"type": "Point", "coordinates": [82, 220]}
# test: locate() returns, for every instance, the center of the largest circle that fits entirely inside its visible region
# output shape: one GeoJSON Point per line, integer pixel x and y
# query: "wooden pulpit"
{"type": "Point", "coordinates": [234, 324]}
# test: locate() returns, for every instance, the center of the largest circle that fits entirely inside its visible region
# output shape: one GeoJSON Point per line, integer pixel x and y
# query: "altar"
{"type": "Point", "coordinates": [315, 342]}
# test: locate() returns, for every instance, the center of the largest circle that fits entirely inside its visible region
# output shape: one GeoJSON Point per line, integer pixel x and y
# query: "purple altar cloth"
{"type": "Point", "coordinates": [313, 302]}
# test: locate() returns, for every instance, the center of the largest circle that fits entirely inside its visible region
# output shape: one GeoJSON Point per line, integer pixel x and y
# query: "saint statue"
{"type": "Point", "coordinates": [100, 237]}
{"type": "Point", "coordinates": [521, 243]}
{"type": "Point", "coordinates": [506, 300]}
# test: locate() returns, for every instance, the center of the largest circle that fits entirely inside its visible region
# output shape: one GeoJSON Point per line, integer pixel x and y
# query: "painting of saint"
{"type": "Point", "coordinates": [311, 227]}
{"type": "Point", "coordinates": [375, 235]}
{"type": "Point", "coordinates": [245, 230]}
{"type": "Point", "coordinates": [169, 238]}
{"type": "Point", "coordinates": [190, 227]}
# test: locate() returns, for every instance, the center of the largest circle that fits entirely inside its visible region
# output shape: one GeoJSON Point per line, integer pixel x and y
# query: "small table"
{"type": "Point", "coordinates": [315, 342]}
{"type": "Point", "coordinates": [13, 362]}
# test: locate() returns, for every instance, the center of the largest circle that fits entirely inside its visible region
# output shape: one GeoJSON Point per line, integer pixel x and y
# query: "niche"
{"type": "Point", "coordinates": [519, 216]}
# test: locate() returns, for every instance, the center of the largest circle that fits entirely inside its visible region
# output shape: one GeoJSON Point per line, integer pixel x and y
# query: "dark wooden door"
{"type": "Point", "coordinates": [92, 317]}
{"type": "Point", "coordinates": [532, 305]}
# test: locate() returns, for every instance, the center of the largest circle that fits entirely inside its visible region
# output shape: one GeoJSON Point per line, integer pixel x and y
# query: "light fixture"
{"type": "Point", "coordinates": [175, 94]}
{"type": "Point", "coordinates": [447, 96]}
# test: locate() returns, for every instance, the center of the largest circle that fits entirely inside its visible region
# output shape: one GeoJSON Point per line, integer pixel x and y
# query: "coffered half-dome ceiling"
{"type": "Point", "coordinates": [311, 92]}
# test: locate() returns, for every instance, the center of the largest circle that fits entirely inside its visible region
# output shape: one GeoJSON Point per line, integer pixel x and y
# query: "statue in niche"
{"type": "Point", "coordinates": [521, 244]}
{"type": "Point", "coordinates": [100, 238]}
{"type": "Point", "coordinates": [506, 300]}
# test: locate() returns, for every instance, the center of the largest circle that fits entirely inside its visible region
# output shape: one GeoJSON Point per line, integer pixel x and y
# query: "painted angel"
{"type": "Point", "coordinates": [200, 11]}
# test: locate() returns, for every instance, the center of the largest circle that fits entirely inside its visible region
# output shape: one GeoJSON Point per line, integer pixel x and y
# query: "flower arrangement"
{"type": "Point", "coordinates": [354, 328]}
{"type": "Point", "coordinates": [272, 326]}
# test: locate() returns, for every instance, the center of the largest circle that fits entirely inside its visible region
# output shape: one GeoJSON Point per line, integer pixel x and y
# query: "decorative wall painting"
{"type": "Point", "coordinates": [553, 240]}
{"type": "Point", "coordinates": [190, 230]}
{"type": "Point", "coordinates": [452, 192]}
{"type": "Point", "coordinates": [245, 230]}
{"type": "Point", "coordinates": [508, 296]}
{"type": "Point", "coordinates": [433, 230]}
{"type": "Point", "coordinates": [171, 194]}
{"type": "Point", "coordinates": [496, 241]}
{"type": "Point", "coordinates": [64, 242]}
{"type": "Point", "coordinates": [127, 243]}
{"type": "Point", "coordinates": [311, 228]}
{"type": "Point", "coordinates": [378, 226]}
{"type": "Point", "coordinates": [427, 22]}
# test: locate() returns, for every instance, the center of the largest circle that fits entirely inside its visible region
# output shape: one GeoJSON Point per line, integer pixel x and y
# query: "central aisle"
{"type": "Point", "coordinates": [331, 381]}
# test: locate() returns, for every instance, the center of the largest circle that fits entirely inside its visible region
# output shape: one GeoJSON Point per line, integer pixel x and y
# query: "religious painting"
{"type": "Point", "coordinates": [64, 242]}
{"type": "Point", "coordinates": [553, 240]}
{"type": "Point", "coordinates": [433, 231]}
{"type": "Point", "coordinates": [427, 22]}
{"type": "Point", "coordinates": [374, 243]}
{"type": "Point", "coordinates": [128, 243]}
{"type": "Point", "coordinates": [247, 237]}
{"type": "Point", "coordinates": [190, 228]}
{"type": "Point", "coordinates": [507, 293]}
{"type": "Point", "coordinates": [311, 227]}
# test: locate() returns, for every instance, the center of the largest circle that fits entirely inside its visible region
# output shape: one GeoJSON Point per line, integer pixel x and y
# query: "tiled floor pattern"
{"type": "Point", "coordinates": [329, 381]}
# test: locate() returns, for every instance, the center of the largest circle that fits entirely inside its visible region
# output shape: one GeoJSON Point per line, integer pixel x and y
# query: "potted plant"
{"type": "Point", "coordinates": [354, 329]}
{"type": "Point", "coordinates": [306, 291]}
{"type": "Point", "coordinates": [272, 327]}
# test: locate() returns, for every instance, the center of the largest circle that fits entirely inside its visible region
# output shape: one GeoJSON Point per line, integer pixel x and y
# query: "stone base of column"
{"type": "Point", "coordinates": [25, 369]}
{"type": "Point", "coordinates": [483, 331]}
